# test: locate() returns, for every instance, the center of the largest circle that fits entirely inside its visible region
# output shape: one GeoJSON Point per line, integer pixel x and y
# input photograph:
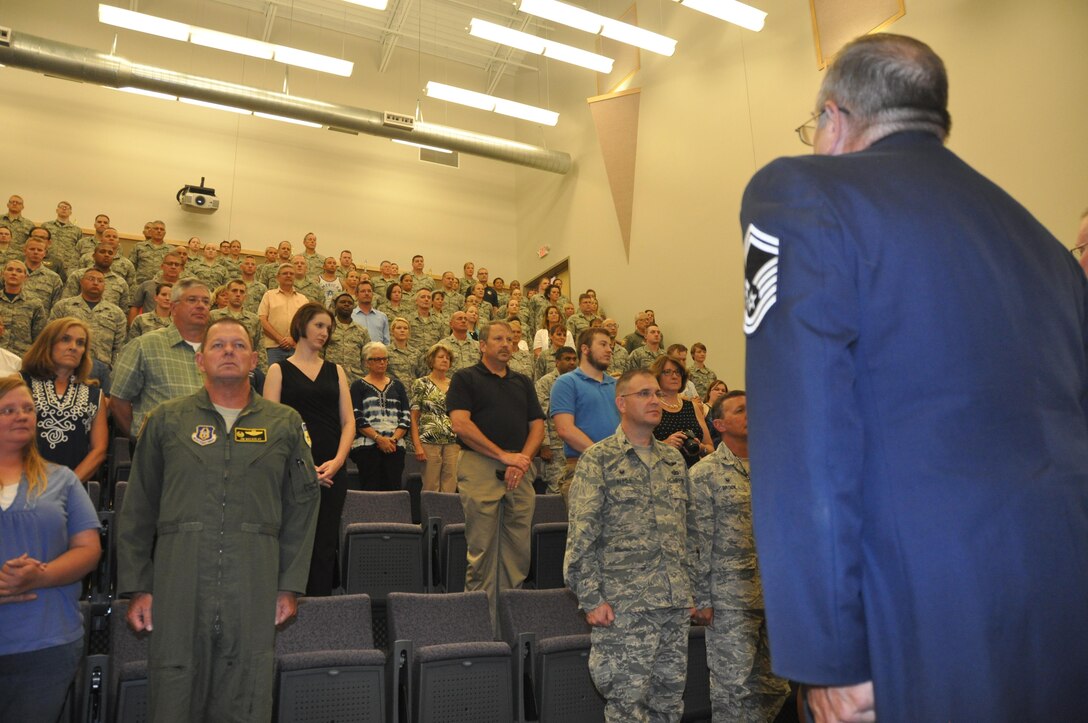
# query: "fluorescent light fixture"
{"type": "Point", "coordinates": [584, 20]}
{"type": "Point", "coordinates": [372, 4]}
{"type": "Point", "coordinates": [285, 119]}
{"type": "Point", "coordinates": [505, 36]}
{"type": "Point", "coordinates": [148, 93]}
{"type": "Point", "coordinates": [574, 56]}
{"type": "Point", "coordinates": [421, 145]}
{"type": "Point", "coordinates": [471, 98]}
{"type": "Point", "coordinates": [231, 43]}
{"type": "Point", "coordinates": [216, 106]}
{"type": "Point", "coordinates": [569, 15]}
{"type": "Point", "coordinates": [538, 46]}
{"type": "Point", "coordinates": [313, 61]}
{"type": "Point", "coordinates": [731, 11]}
{"type": "Point", "coordinates": [223, 41]}
{"type": "Point", "coordinates": [140, 22]}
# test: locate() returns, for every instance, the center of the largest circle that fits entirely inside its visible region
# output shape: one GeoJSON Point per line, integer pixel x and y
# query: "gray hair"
{"type": "Point", "coordinates": [182, 287]}
{"type": "Point", "coordinates": [373, 346]}
{"type": "Point", "coordinates": [889, 83]}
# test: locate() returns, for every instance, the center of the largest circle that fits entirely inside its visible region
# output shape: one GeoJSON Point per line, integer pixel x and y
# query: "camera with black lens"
{"type": "Point", "coordinates": [691, 448]}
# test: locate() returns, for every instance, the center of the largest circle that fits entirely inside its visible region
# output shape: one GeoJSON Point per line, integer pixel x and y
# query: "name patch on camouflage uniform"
{"type": "Point", "coordinates": [760, 276]}
{"type": "Point", "coordinates": [204, 435]}
{"type": "Point", "coordinates": [247, 434]}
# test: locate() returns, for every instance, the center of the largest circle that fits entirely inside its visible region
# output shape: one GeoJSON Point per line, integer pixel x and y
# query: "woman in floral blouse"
{"type": "Point", "coordinates": [432, 432]}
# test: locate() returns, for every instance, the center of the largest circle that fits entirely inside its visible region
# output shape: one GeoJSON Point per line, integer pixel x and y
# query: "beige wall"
{"type": "Point", "coordinates": [127, 156]}
{"type": "Point", "coordinates": [727, 102]}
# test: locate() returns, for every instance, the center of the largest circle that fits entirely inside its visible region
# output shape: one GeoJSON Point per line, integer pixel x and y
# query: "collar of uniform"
{"type": "Point", "coordinates": [906, 138]}
{"type": "Point", "coordinates": [657, 447]}
{"type": "Point", "coordinates": [18, 297]}
{"type": "Point", "coordinates": [726, 456]}
{"type": "Point", "coordinates": [204, 401]}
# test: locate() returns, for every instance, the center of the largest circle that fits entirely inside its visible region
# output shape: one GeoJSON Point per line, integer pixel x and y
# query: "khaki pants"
{"type": "Point", "coordinates": [568, 477]}
{"type": "Point", "coordinates": [497, 526]}
{"type": "Point", "coordinates": [440, 469]}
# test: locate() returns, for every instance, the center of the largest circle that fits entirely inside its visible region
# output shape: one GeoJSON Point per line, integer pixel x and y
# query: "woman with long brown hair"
{"type": "Point", "coordinates": [72, 427]}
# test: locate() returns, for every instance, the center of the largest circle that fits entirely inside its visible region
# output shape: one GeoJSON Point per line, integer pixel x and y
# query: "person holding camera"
{"type": "Point", "coordinates": [680, 426]}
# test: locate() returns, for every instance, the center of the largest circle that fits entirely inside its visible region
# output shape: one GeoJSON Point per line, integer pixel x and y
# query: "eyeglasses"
{"type": "Point", "coordinates": [378, 359]}
{"type": "Point", "coordinates": [12, 411]}
{"type": "Point", "coordinates": [671, 372]}
{"type": "Point", "coordinates": [1078, 251]}
{"type": "Point", "coordinates": [645, 394]}
{"type": "Point", "coordinates": [807, 130]}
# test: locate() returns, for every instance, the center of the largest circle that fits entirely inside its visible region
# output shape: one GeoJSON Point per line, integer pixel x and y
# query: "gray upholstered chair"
{"type": "Point", "coordinates": [444, 521]}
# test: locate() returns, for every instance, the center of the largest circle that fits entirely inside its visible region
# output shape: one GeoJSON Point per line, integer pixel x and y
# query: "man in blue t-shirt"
{"type": "Point", "coordinates": [583, 403]}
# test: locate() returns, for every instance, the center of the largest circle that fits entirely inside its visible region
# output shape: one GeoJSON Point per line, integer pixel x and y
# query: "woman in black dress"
{"type": "Point", "coordinates": [72, 429]}
{"type": "Point", "coordinates": [318, 390]}
{"type": "Point", "coordinates": [678, 414]}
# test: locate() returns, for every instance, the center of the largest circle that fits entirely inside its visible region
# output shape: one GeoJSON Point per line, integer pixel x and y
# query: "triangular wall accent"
{"type": "Point", "coordinates": [616, 117]}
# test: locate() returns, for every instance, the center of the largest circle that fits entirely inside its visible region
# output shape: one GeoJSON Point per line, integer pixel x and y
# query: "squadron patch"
{"type": "Point", "coordinates": [760, 276]}
{"type": "Point", "coordinates": [247, 434]}
{"type": "Point", "coordinates": [204, 435]}
{"type": "Point", "coordinates": [306, 435]}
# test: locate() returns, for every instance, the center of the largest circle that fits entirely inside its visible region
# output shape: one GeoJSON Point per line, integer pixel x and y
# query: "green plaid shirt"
{"type": "Point", "coordinates": [154, 368]}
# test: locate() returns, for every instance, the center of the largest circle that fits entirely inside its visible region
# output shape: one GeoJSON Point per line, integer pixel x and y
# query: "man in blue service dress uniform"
{"type": "Point", "coordinates": [916, 365]}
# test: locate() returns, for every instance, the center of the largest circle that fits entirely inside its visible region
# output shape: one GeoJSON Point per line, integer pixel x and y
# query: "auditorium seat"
{"type": "Point", "coordinates": [444, 520]}
{"type": "Point", "coordinates": [549, 637]}
{"type": "Point", "coordinates": [446, 665]}
{"type": "Point", "coordinates": [326, 666]}
{"type": "Point", "coordinates": [548, 542]}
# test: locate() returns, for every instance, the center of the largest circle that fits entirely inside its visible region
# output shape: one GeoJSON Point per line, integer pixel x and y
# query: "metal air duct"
{"type": "Point", "coordinates": [85, 65]}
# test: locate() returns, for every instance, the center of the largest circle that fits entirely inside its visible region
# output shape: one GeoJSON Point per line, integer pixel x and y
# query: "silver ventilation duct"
{"type": "Point", "coordinates": [85, 65]}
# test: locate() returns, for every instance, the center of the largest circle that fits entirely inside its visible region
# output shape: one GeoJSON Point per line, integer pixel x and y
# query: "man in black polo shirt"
{"type": "Point", "coordinates": [500, 426]}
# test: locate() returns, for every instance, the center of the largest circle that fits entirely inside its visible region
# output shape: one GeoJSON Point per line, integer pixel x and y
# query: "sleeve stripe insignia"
{"type": "Point", "coordinates": [760, 276]}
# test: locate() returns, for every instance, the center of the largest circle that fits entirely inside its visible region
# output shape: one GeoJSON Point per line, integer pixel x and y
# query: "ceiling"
{"type": "Point", "coordinates": [433, 27]}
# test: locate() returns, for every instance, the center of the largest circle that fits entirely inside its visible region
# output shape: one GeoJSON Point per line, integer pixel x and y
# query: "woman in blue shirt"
{"type": "Point", "coordinates": [48, 542]}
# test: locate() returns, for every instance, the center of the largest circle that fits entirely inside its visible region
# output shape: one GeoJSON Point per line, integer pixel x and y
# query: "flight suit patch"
{"type": "Point", "coordinates": [205, 435]}
{"type": "Point", "coordinates": [249, 434]}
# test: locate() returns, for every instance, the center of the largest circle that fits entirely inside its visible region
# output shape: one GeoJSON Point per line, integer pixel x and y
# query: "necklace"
{"type": "Point", "coordinates": [672, 407]}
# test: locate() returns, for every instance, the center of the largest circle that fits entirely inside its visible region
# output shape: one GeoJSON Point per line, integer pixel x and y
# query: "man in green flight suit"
{"type": "Point", "coordinates": [223, 489]}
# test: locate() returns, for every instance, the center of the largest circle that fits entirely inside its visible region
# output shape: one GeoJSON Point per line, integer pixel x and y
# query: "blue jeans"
{"type": "Point", "coordinates": [33, 685]}
{"type": "Point", "coordinates": [277, 355]}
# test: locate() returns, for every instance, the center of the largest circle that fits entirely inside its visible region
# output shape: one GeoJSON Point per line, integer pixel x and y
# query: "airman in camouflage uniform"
{"type": "Point", "coordinates": [465, 352]}
{"type": "Point", "coordinates": [147, 322]}
{"type": "Point", "coordinates": [421, 280]}
{"type": "Point", "coordinates": [108, 323]}
{"type": "Point", "coordinates": [427, 328]}
{"type": "Point", "coordinates": [469, 279]}
{"type": "Point", "coordinates": [22, 318]}
{"type": "Point", "coordinates": [41, 283]}
{"type": "Point", "coordinates": [304, 283]}
{"type": "Point", "coordinates": [19, 224]}
{"type": "Point", "coordinates": [116, 290]}
{"type": "Point", "coordinates": [236, 295]}
{"type": "Point", "coordinates": [521, 360]}
{"type": "Point", "coordinates": [404, 356]}
{"type": "Point", "coordinates": [120, 264]}
{"type": "Point", "coordinates": [619, 352]}
{"type": "Point", "coordinates": [346, 343]}
{"type": "Point", "coordinates": [455, 300]}
{"type": "Point", "coordinates": [637, 560]}
{"type": "Point", "coordinates": [146, 256]}
{"type": "Point", "coordinates": [555, 461]}
{"type": "Point", "coordinates": [647, 354]}
{"type": "Point", "coordinates": [65, 235]}
{"type": "Point", "coordinates": [742, 686]}
{"type": "Point", "coordinates": [699, 374]}
{"type": "Point", "coordinates": [581, 321]}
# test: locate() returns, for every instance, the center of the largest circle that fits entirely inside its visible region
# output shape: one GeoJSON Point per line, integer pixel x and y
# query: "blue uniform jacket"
{"type": "Point", "coordinates": [916, 368]}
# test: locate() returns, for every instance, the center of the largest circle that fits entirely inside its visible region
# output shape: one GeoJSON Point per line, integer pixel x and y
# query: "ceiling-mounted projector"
{"type": "Point", "coordinates": [199, 199]}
